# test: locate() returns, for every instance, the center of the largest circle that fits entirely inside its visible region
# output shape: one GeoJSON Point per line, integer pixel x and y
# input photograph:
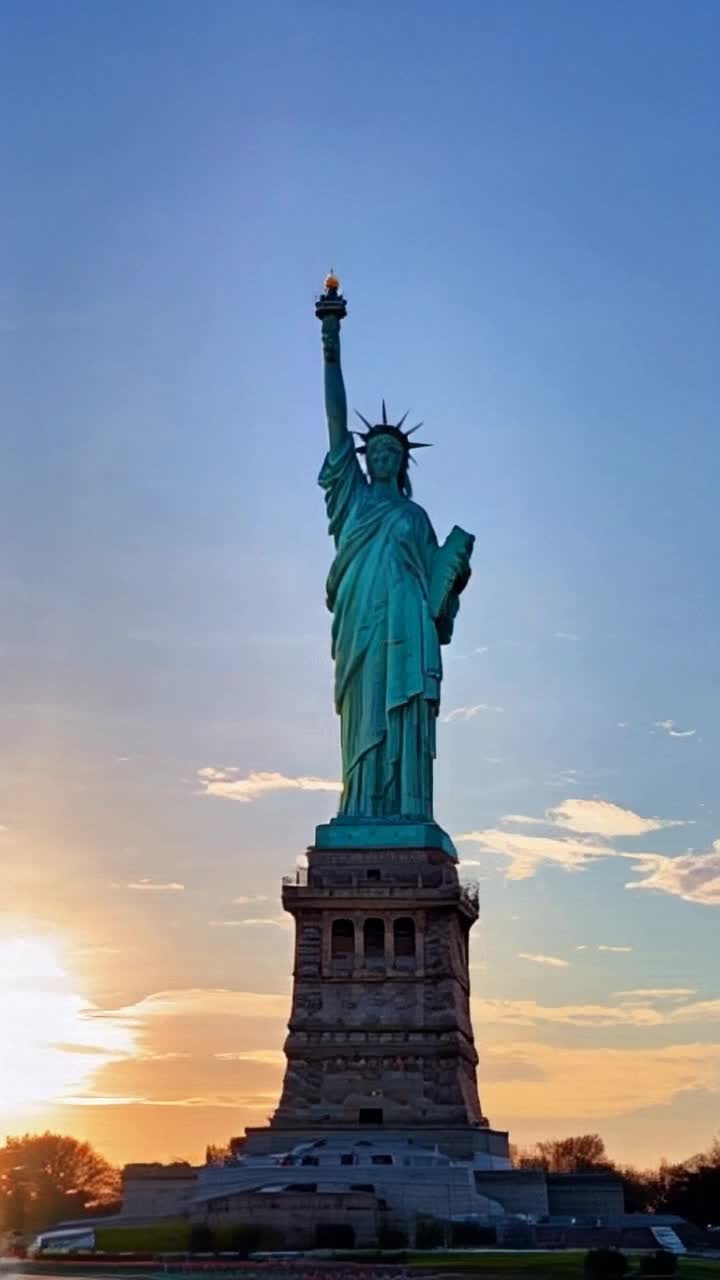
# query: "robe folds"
{"type": "Point", "coordinates": [385, 640]}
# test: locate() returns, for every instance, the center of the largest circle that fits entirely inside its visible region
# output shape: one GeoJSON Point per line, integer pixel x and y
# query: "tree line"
{"type": "Point", "coordinates": [689, 1188]}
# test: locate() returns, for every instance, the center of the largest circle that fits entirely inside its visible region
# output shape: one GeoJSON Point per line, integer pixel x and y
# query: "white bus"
{"type": "Point", "coordinates": [70, 1240]}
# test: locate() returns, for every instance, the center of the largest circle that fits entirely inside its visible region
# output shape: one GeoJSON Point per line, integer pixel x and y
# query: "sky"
{"type": "Point", "coordinates": [521, 202]}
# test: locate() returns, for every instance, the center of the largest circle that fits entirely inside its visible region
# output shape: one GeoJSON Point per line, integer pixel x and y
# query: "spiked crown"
{"type": "Point", "coordinates": [385, 428]}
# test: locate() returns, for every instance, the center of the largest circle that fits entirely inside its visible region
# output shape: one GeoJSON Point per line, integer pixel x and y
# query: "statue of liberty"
{"type": "Point", "coordinates": [394, 594]}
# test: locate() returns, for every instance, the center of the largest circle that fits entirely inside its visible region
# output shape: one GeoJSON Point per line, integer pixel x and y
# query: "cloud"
{"type": "Point", "coordinates": [194, 1047]}
{"type": "Point", "coordinates": [255, 1102]}
{"type": "Point", "coordinates": [602, 818]}
{"type": "Point", "coordinates": [673, 730]}
{"type": "Point", "coordinates": [695, 877]}
{"type": "Point", "coordinates": [156, 886]}
{"type": "Point", "coordinates": [640, 1012]}
{"type": "Point", "coordinates": [280, 922]}
{"type": "Point", "coordinates": [243, 901]}
{"type": "Point", "coordinates": [565, 635]}
{"type": "Point", "coordinates": [554, 961]}
{"type": "Point", "coordinates": [529, 1013]}
{"type": "Point", "coordinates": [655, 993]}
{"type": "Point", "coordinates": [595, 1084]}
{"type": "Point", "coordinates": [220, 1002]}
{"type": "Point", "coordinates": [527, 853]}
{"type": "Point", "coordinates": [252, 922]}
{"type": "Point", "coordinates": [469, 713]}
{"type": "Point", "coordinates": [225, 783]}
{"type": "Point", "coordinates": [593, 824]}
{"type": "Point", "coordinates": [604, 946]}
{"type": "Point", "coordinates": [266, 1057]}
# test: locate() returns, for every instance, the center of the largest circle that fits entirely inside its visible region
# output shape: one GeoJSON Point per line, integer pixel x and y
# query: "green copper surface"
{"type": "Point", "coordinates": [394, 593]}
{"type": "Point", "coordinates": [382, 833]}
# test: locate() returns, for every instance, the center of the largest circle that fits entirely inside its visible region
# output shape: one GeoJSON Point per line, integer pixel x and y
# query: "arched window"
{"type": "Point", "coordinates": [342, 939]}
{"type": "Point", "coordinates": [404, 938]}
{"type": "Point", "coordinates": [374, 938]}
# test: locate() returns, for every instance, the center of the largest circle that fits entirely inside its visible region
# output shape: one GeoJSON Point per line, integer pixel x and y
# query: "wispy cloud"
{"type": "Point", "coordinates": [526, 853]}
{"type": "Point", "coordinates": [469, 713]}
{"type": "Point", "coordinates": [605, 946]}
{"type": "Point", "coordinates": [595, 1083]}
{"type": "Point", "coordinates": [243, 901]}
{"type": "Point", "coordinates": [565, 635]}
{"type": "Point", "coordinates": [156, 886]}
{"type": "Point", "coordinates": [227, 784]}
{"type": "Point", "coordinates": [266, 1057]}
{"type": "Point", "coordinates": [596, 817]}
{"type": "Point", "coordinates": [263, 922]}
{"type": "Point", "coordinates": [641, 1012]}
{"type": "Point", "coordinates": [695, 877]}
{"type": "Point", "coordinates": [204, 1002]}
{"type": "Point", "coordinates": [554, 962]}
{"type": "Point", "coordinates": [593, 824]}
{"type": "Point", "coordinates": [673, 730]}
{"type": "Point", "coordinates": [251, 922]}
{"type": "Point", "coordinates": [692, 876]}
{"type": "Point", "coordinates": [655, 993]}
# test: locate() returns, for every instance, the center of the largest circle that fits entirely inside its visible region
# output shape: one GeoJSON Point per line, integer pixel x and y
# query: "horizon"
{"type": "Point", "coordinates": [519, 203]}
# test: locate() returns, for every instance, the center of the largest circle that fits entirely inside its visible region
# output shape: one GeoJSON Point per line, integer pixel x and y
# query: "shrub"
{"type": "Point", "coordinates": [429, 1233]}
{"type": "Point", "coordinates": [202, 1239]}
{"type": "Point", "coordinates": [660, 1263]}
{"type": "Point", "coordinates": [243, 1238]}
{"type": "Point", "coordinates": [605, 1264]}
{"type": "Point", "coordinates": [391, 1238]}
{"type": "Point", "coordinates": [471, 1235]}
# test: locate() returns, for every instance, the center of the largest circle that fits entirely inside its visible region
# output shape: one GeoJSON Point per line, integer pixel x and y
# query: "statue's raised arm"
{"type": "Point", "coordinates": [330, 310]}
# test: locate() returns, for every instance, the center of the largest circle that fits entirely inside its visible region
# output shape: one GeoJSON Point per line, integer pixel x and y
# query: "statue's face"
{"type": "Point", "coordinates": [384, 458]}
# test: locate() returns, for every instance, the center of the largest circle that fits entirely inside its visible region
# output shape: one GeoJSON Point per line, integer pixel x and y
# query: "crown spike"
{"type": "Point", "coordinates": [412, 430]}
{"type": "Point", "coordinates": [362, 419]}
{"type": "Point", "coordinates": [403, 418]}
{"type": "Point", "coordinates": [420, 444]}
{"type": "Point", "coordinates": [384, 413]}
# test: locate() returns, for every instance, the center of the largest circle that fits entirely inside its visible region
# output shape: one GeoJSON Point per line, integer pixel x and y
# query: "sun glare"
{"type": "Point", "coordinates": [53, 1041]}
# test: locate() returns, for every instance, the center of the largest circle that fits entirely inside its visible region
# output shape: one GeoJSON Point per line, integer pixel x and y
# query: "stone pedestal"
{"type": "Point", "coordinates": [380, 1038]}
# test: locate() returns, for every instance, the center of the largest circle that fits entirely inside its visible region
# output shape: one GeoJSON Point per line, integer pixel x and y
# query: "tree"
{"type": "Point", "coordinates": [692, 1189]}
{"type": "Point", "coordinates": [584, 1153]}
{"type": "Point", "coordinates": [47, 1177]}
{"type": "Point", "coordinates": [215, 1154]}
{"type": "Point", "coordinates": [641, 1189]}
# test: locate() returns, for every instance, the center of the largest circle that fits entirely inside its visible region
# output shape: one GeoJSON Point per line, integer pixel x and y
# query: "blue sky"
{"type": "Point", "coordinates": [521, 200]}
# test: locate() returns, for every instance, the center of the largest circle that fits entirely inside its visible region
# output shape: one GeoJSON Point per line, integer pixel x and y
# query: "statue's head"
{"type": "Point", "coordinates": [387, 450]}
{"type": "Point", "coordinates": [386, 459]}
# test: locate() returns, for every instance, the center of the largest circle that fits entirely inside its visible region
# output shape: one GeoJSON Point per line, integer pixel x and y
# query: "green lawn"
{"type": "Point", "coordinates": [541, 1266]}
{"type": "Point", "coordinates": [166, 1236]}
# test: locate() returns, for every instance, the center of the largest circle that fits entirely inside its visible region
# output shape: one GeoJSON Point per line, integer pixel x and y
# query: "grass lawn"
{"type": "Point", "coordinates": [541, 1266]}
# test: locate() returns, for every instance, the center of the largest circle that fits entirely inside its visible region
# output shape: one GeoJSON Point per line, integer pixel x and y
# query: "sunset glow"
{"type": "Point", "coordinates": [53, 1041]}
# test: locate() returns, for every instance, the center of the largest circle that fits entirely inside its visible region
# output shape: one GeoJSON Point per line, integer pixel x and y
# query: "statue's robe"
{"type": "Point", "coordinates": [385, 640]}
